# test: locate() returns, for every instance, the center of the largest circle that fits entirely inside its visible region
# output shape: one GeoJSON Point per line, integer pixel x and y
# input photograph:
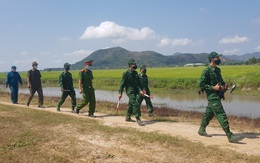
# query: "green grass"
{"type": "Point", "coordinates": [161, 79]}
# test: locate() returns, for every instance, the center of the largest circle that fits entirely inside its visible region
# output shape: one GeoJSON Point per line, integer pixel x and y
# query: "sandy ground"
{"type": "Point", "coordinates": [249, 144]}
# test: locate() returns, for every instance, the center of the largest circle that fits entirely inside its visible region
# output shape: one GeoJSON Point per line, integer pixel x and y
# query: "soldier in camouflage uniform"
{"type": "Point", "coordinates": [86, 89]}
{"type": "Point", "coordinates": [67, 89]}
{"type": "Point", "coordinates": [35, 84]}
{"type": "Point", "coordinates": [144, 82]}
{"type": "Point", "coordinates": [212, 83]}
{"type": "Point", "coordinates": [131, 82]}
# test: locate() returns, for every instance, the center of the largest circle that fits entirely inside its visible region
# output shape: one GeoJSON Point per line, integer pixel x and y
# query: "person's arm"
{"type": "Point", "coordinates": [61, 82]}
{"type": "Point", "coordinates": [122, 85]}
{"type": "Point", "coordinates": [28, 80]}
{"type": "Point", "coordinates": [141, 86]}
{"type": "Point", "coordinates": [80, 82]}
{"type": "Point", "coordinates": [204, 84]}
{"type": "Point", "coordinates": [20, 79]}
{"type": "Point", "coordinates": [7, 80]}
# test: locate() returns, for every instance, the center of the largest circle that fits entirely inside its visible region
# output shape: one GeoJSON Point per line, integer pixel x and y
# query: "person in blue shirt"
{"type": "Point", "coordinates": [13, 78]}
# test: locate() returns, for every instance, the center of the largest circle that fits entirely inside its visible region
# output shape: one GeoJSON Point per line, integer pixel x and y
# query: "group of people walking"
{"type": "Point", "coordinates": [137, 90]}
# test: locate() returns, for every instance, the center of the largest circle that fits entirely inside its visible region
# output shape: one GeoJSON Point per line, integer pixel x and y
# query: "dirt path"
{"type": "Point", "coordinates": [250, 144]}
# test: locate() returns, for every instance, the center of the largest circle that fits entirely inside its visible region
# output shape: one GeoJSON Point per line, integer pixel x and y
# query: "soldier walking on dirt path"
{"type": "Point", "coordinates": [212, 83]}
{"type": "Point", "coordinates": [86, 89]}
{"type": "Point", "coordinates": [145, 84]}
{"type": "Point", "coordinates": [35, 84]}
{"type": "Point", "coordinates": [131, 82]}
{"type": "Point", "coordinates": [67, 89]}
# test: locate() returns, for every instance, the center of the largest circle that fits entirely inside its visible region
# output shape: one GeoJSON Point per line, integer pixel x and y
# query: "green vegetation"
{"type": "Point", "coordinates": [252, 61]}
{"type": "Point", "coordinates": [163, 79]}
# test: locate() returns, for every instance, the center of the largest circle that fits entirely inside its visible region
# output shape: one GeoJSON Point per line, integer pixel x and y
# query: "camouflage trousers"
{"type": "Point", "coordinates": [215, 108]}
{"type": "Point", "coordinates": [133, 107]}
{"type": "Point", "coordinates": [148, 102]}
{"type": "Point", "coordinates": [64, 95]}
{"type": "Point", "coordinates": [40, 95]}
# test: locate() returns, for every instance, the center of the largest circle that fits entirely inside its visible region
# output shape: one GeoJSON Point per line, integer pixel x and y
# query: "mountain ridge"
{"type": "Point", "coordinates": [118, 57]}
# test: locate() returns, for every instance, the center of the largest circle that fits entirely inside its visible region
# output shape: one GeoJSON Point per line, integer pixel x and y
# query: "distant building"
{"type": "Point", "coordinates": [194, 64]}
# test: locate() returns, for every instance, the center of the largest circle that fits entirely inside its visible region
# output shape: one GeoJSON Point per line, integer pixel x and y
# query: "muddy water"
{"type": "Point", "coordinates": [240, 105]}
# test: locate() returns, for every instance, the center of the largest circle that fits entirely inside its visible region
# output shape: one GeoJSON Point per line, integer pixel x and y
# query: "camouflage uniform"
{"type": "Point", "coordinates": [66, 84]}
{"type": "Point", "coordinates": [144, 82]}
{"type": "Point", "coordinates": [88, 94]}
{"type": "Point", "coordinates": [210, 77]}
{"type": "Point", "coordinates": [131, 82]}
{"type": "Point", "coordinates": [34, 78]}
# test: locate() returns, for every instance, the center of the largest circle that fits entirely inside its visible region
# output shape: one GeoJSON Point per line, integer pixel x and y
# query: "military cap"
{"type": "Point", "coordinates": [34, 63]}
{"type": "Point", "coordinates": [214, 55]}
{"type": "Point", "coordinates": [131, 62]}
{"type": "Point", "coordinates": [89, 62]}
{"type": "Point", "coordinates": [143, 67]}
{"type": "Point", "coordinates": [13, 67]}
{"type": "Point", "coordinates": [66, 65]}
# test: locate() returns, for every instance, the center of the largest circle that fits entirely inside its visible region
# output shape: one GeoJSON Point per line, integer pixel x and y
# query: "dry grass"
{"type": "Point", "coordinates": [29, 135]}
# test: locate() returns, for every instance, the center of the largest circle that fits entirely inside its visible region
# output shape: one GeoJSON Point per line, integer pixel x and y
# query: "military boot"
{"type": "Point", "coordinates": [128, 119]}
{"type": "Point", "coordinates": [73, 110]}
{"type": "Point", "coordinates": [139, 122]}
{"type": "Point", "coordinates": [233, 138]}
{"type": "Point", "coordinates": [202, 132]}
{"type": "Point", "coordinates": [58, 108]}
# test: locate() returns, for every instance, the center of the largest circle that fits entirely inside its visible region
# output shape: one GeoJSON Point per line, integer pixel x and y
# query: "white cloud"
{"type": "Point", "coordinates": [79, 53]}
{"type": "Point", "coordinates": [175, 42]}
{"type": "Point", "coordinates": [257, 48]}
{"type": "Point", "coordinates": [181, 42]}
{"type": "Point", "coordinates": [165, 42]}
{"type": "Point", "coordinates": [233, 40]}
{"type": "Point", "coordinates": [112, 30]}
{"type": "Point", "coordinates": [233, 51]}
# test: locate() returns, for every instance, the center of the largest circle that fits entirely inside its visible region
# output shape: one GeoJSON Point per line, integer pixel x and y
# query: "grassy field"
{"type": "Point", "coordinates": [164, 79]}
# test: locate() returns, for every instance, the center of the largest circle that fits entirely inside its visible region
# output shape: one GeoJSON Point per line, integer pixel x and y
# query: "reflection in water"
{"type": "Point", "coordinates": [240, 105]}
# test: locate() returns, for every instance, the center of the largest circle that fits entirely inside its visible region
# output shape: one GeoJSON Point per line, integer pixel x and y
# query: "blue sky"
{"type": "Point", "coordinates": [53, 32]}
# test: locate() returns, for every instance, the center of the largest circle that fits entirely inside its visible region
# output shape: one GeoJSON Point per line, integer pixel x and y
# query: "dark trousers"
{"type": "Point", "coordinates": [40, 95]}
{"type": "Point", "coordinates": [14, 93]}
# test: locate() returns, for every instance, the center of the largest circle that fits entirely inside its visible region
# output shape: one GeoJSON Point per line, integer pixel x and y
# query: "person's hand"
{"type": "Point", "coordinates": [6, 86]}
{"type": "Point", "coordinates": [80, 91]}
{"type": "Point", "coordinates": [216, 87]}
{"type": "Point", "coordinates": [119, 97]}
{"type": "Point", "coordinates": [62, 90]}
{"type": "Point", "coordinates": [29, 86]}
{"type": "Point", "coordinates": [224, 88]}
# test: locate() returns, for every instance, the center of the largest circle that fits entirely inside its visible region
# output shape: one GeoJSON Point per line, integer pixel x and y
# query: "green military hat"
{"type": "Point", "coordinates": [67, 65]}
{"type": "Point", "coordinates": [131, 62]}
{"type": "Point", "coordinates": [143, 67]}
{"type": "Point", "coordinates": [214, 55]}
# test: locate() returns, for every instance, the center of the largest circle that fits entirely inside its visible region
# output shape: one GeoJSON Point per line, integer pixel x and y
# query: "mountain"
{"type": "Point", "coordinates": [244, 57]}
{"type": "Point", "coordinates": [118, 57]}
